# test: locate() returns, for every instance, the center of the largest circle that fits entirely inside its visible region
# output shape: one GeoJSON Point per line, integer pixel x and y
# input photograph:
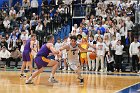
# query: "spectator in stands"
{"type": "Point", "coordinates": [75, 27]}
{"type": "Point", "coordinates": [45, 23]}
{"type": "Point", "coordinates": [57, 46]}
{"type": "Point", "coordinates": [39, 27]}
{"type": "Point", "coordinates": [59, 2]}
{"type": "Point", "coordinates": [33, 22]}
{"type": "Point", "coordinates": [6, 22]}
{"type": "Point", "coordinates": [52, 2]}
{"type": "Point", "coordinates": [129, 25]}
{"type": "Point", "coordinates": [113, 45]}
{"type": "Point", "coordinates": [26, 4]}
{"type": "Point", "coordinates": [57, 20]}
{"type": "Point", "coordinates": [15, 56]}
{"type": "Point", "coordinates": [100, 50]}
{"type": "Point", "coordinates": [123, 33]}
{"type": "Point", "coordinates": [10, 45]}
{"type": "Point", "coordinates": [68, 2]}
{"type": "Point", "coordinates": [44, 2]}
{"type": "Point", "coordinates": [51, 12]}
{"type": "Point", "coordinates": [118, 55]}
{"type": "Point", "coordinates": [64, 53]}
{"type": "Point", "coordinates": [121, 5]}
{"type": "Point", "coordinates": [107, 42]}
{"type": "Point", "coordinates": [18, 43]}
{"type": "Point", "coordinates": [5, 55]}
{"type": "Point", "coordinates": [91, 63]}
{"type": "Point", "coordinates": [139, 58]}
{"type": "Point", "coordinates": [39, 31]}
{"type": "Point", "coordinates": [60, 9]}
{"type": "Point", "coordinates": [34, 6]}
{"type": "Point", "coordinates": [12, 12]}
{"type": "Point", "coordinates": [93, 29]}
{"type": "Point", "coordinates": [84, 29]}
{"type": "Point", "coordinates": [82, 33]}
{"type": "Point", "coordinates": [7, 37]}
{"type": "Point", "coordinates": [14, 38]}
{"type": "Point", "coordinates": [79, 38]}
{"type": "Point", "coordinates": [24, 35]}
{"type": "Point", "coordinates": [118, 35]}
{"type": "Point", "coordinates": [0, 38]}
{"type": "Point", "coordinates": [101, 28]}
{"type": "Point", "coordinates": [110, 61]}
{"type": "Point", "coordinates": [83, 55]}
{"type": "Point", "coordinates": [95, 25]}
{"type": "Point", "coordinates": [108, 34]}
{"type": "Point", "coordinates": [98, 35]}
{"type": "Point", "coordinates": [88, 6]}
{"type": "Point", "coordinates": [3, 42]}
{"type": "Point", "coordinates": [21, 12]}
{"type": "Point", "coordinates": [98, 11]}
{"type": "Point", "coordinates": [17, 6]}
{"type": "Point", "coordinates": [73, 33]}
{"type": "Point", "coordinates": [133, 51]}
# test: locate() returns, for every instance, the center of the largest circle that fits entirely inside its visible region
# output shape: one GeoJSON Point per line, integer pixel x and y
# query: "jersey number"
{"type": "Point", "coordinates": [73, 52]}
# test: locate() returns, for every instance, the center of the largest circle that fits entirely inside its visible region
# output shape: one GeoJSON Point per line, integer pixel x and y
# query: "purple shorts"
{"type": "Point", "coordinates": [42, 61]}
{"type": "Point", "coordinates": [26, 56]}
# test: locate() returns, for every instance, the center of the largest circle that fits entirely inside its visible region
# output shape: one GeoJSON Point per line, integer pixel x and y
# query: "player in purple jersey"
{"type": "Point", "coordinates": [42, 60]}
{"type": "Point", "coordinates": [27, 57]}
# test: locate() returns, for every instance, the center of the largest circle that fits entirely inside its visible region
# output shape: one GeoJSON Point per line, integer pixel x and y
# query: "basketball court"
{"type": "Point", "coordinates": [10, 82]}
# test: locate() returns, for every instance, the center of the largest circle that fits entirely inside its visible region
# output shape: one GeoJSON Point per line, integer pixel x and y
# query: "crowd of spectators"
{"type": "Point", "coordinates": [18, 22]}
{"type": "Point", "coordinates": [110, 27]}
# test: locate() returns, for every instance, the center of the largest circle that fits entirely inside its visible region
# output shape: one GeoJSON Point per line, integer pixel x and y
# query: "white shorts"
{"type": "Point", "coordinates": [74, 66]}
{"type": "Point", "coordinates": [33, 54]}
{"type": "Point", "coordinates": [64, 55]}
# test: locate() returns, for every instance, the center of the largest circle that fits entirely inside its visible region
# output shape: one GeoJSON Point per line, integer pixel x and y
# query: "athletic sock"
{"type": "Point", "coordinates": [51, 76]}
{"type": "Point", "coordinates": [30, 78]}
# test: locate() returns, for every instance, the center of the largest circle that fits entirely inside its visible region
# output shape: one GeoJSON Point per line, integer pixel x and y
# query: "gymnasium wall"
{"type": "Point", "coordinates": [1, 2]}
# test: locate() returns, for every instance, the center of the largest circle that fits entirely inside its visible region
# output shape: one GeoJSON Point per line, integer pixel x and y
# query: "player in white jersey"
{"type": "Point", "coordinates": [64, 53]}
{"type": "Point", "coordinates": [73, 56]}
{"type": "Point", "coordinates": [36, 48]}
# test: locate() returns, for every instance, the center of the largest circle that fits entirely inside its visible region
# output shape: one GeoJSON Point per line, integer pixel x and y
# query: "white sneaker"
{"type": "Point", "coordinates": [101, 70]}
{"type": "Point", "coordinates": [64, 69]}
{"type": "Point", "coordinates": [96, 70]}
{"type": "Point", "coordinates": [52, 80]}
{"type": "Point", "coordinates": [138, 72]}
{"type": "Point", "coordinates": [68, 68]}
{"type": "Point", "coordinates": [29, 82]}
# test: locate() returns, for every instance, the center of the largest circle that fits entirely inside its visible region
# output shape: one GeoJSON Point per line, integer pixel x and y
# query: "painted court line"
{"type": "Point", "coordinates": [124, 90]}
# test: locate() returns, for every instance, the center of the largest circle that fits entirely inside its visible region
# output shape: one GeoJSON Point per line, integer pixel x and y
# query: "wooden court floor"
{"type": "Point", "coordinates": [10, 82]}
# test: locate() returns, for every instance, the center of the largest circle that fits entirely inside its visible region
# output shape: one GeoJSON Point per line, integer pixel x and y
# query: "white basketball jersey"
{"type": "Point", "coordinates": [73, 54]}
{"type": "Point", "coordinates": [35, 46]}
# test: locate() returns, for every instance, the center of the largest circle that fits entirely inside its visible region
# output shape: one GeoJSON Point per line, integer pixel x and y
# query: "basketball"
{"type": "Point", "coordinates": [92, 56]}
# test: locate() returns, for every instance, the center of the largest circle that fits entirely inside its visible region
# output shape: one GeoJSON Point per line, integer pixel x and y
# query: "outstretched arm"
{"type": "Point", "coordinates": [51, 47]}
{"type": "Point", "coordinates": [82, 49]}
{"type": "Point", "coordinates": [64, 47]}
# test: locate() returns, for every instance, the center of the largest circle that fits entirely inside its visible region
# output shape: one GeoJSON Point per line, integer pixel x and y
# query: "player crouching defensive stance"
{"type": "Point", "coordinates": [42, 60]}
{"type": "Point", "coordinates": [73, 56]}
